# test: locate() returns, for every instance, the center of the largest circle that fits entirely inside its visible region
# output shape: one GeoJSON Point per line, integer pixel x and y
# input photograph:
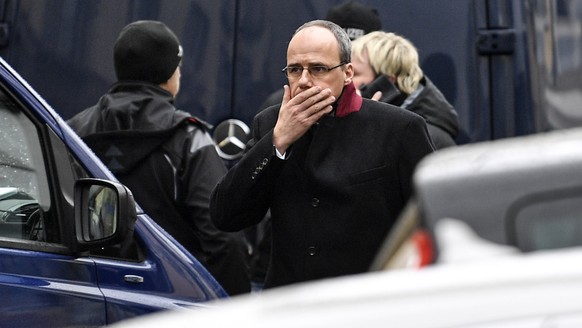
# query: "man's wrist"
{"type": "Point", "coordinates": [278, 153]}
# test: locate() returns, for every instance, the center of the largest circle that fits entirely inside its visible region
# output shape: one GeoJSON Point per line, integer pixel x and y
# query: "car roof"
{"type": "Point", "coordinates": [488, 184]}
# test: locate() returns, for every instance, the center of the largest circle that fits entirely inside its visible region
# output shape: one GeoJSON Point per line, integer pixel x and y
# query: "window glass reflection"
{"type": "Point", "coordinates": [103, 212]}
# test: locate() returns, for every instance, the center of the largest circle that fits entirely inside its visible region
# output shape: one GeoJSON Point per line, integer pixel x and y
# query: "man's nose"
{"type": "Point", "coordinates": [305, 77]}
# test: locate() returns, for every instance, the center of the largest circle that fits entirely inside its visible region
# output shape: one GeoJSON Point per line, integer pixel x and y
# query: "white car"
{"type": "Point", "coordinates": [505, 218]}
{"type": "Point", "coordinates": [522, 192]}
{"type": "Point", "coordinates": [542, 289]}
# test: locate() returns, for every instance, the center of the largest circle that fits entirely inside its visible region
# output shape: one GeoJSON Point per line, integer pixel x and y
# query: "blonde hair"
{"type": "Point", "coordinates": [392, 55]}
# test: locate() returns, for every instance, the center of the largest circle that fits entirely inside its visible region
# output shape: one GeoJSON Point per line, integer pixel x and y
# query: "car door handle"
{"type": "Point", "coordinates": [133, 279]}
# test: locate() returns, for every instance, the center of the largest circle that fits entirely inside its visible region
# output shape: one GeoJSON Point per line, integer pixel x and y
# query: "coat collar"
{"type": "Point", "coordinates": [350, 101]}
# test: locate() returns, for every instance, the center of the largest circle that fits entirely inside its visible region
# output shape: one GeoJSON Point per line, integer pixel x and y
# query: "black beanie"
{"type": "Point", "coordinates": [146, 51]}
{"type": "Point", "coordinates": [356, 18]}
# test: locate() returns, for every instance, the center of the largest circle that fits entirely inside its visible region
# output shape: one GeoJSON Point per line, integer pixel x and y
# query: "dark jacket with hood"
{"type": "Point", "coordinates": [168, 160]}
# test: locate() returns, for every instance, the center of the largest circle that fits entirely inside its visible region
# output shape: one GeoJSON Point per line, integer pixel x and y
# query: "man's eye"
{"type": "Point", "coordinates": [294, 70]}
{"type": "Point", "coordinates": [318, 69]}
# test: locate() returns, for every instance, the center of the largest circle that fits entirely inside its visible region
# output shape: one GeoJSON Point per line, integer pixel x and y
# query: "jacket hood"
{"type": "Point", "coordinates": [138, 106]}
{"type": "Point", "coordinates": [128, 123]}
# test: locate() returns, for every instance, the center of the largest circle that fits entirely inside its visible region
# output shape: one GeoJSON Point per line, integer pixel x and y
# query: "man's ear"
{"type": "Point", "coordinates": [349, 71]}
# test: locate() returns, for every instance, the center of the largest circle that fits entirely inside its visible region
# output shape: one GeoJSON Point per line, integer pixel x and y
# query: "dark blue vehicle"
{"type": "Point", "coordinates": [75, 250]}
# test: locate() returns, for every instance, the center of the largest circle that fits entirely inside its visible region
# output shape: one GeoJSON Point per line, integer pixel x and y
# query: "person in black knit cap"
{"type": "Point", "coordinates": [164, 155]}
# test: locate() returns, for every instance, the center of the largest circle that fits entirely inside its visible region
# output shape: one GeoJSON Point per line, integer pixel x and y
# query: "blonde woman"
{"type": "Point", "coordinates": [386, 68]}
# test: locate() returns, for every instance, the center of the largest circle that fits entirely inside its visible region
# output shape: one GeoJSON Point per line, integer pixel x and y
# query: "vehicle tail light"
{"type": "Point", "coordinates": [416, 252]}
{"type": "Point", "coordinates": [423, 246]}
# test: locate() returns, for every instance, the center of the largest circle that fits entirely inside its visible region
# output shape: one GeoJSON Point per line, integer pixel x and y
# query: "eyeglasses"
{"type": "Point", "coordinates": [315, 71]}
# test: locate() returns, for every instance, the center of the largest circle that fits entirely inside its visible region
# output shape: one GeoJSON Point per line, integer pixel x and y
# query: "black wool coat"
{"type": "Point", "coordinates": [335, 197]}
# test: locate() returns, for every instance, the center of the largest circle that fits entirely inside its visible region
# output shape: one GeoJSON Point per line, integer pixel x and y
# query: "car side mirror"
{"type": "Point", "coordinates": [104, 213]}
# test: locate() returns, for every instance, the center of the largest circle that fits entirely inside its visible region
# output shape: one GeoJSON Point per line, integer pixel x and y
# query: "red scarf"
{"type": "Point", "coordinates": [350, 101]}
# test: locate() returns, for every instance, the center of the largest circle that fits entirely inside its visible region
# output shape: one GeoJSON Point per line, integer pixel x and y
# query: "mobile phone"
{"type": "Point", "coordinates": [382, 84]}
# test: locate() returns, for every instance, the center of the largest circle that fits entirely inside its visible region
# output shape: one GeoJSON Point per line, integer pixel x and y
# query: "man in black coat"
{"type": "Point", "coordinates": [334, 169]}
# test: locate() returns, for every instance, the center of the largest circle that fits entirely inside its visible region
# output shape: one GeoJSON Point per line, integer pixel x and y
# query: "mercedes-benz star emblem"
{"type": "Point", "coordinates": [231, 137]}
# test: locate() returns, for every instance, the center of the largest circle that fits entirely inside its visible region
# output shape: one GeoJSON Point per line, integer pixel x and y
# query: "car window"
{"type": "Point", "coordinates": [547, 221]}
{"type": "Point", "coordinates": [24, 197]}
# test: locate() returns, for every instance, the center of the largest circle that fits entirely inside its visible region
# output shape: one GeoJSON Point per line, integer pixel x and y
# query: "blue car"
{"type": "Point", "coordinates": [75, 249]}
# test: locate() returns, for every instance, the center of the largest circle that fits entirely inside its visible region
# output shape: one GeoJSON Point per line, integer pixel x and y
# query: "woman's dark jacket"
{"type": "Point", "coordinates": [169, 162]}
{"type": "Point", "coordinates": [441, 118]}
{"type": "Point", "coordinates": [336, 196]}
